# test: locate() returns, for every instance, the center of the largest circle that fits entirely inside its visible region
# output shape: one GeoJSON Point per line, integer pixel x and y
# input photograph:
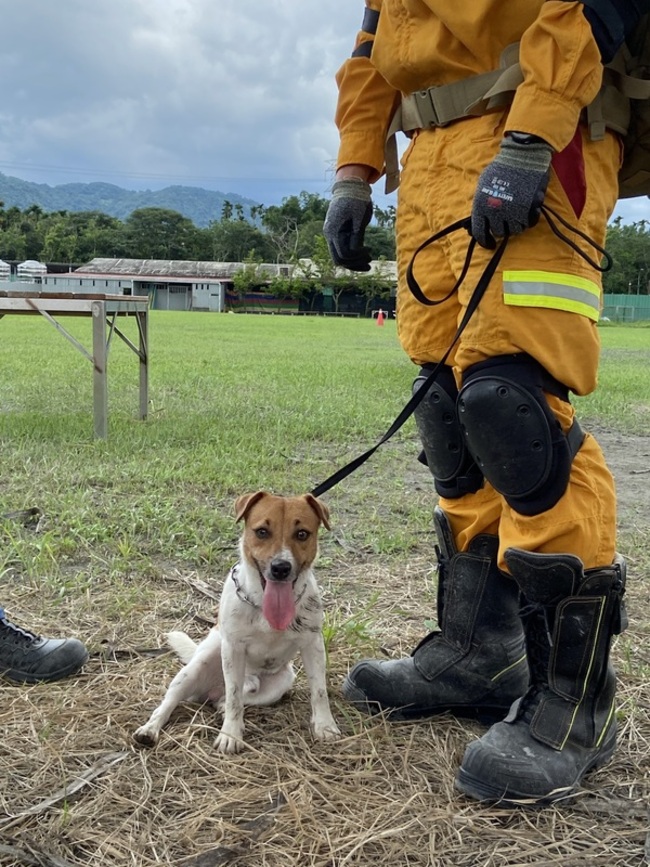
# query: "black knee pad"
{"type": "Point", "coordinates": [512, 433]}
{"type": "Point", "coordinates": [444, 449]}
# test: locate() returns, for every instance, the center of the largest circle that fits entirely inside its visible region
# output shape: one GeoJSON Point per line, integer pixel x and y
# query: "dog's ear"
{"type": "Point", "coordinates": [244, 503]}
{"type": "Point", "coordinates": [321, 510]}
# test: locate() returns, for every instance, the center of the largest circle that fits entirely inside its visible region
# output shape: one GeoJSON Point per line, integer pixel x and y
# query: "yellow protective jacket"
{"type": "Point", "coordinates": [423, 43]}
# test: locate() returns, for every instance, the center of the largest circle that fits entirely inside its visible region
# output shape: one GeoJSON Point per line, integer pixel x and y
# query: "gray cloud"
{"type": "Point", "coordinates": [149, 92]}
{"type": "Point", "coordinates": [232, 95]}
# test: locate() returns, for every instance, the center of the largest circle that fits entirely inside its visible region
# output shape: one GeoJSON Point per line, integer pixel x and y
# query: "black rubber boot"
{"type": "Point", "coordinates": [475, 665]}
{"type": "Point", "coordinates": [565, 725]}
{"type": "Point", "coordinates": [28, 658]}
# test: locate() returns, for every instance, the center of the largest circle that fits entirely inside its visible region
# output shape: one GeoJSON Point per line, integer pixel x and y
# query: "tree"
{"type": "Point", "coordinates": [385, 219]}
{"type": "Point", "coordinates": [257, 212]}
{"type": "Point", "coordinates": [629, 247]}
{"type": "Point", "coordinates": [286, 233]}
{"type": "Point", "coordinates": [13, 244]}
{"type": "Point", "coordinates": [60, 241]}
{"type": "Point", "coordinates": [235, 240]}
{"type": "Point", "coordinates": [381, 242]}
{"type": "Point", "coordinates": [248, 278]}
{"type": "Point", "coordinates": [158, 233]}
{"type": "Point", "coordinates": [322, 260]}
{"type": "Point", "coordinates": [283, 237]}
{"type": "Point", "coordinates": [31, 225]}
{"type": "Point", "coordinates": [284, 224]}
{"type": "Point", "coordinates": [375, 286]}
{"type": "Point", "coordinates": [99, 235]}
{"type": "Point", "coordinates": [295, 286]}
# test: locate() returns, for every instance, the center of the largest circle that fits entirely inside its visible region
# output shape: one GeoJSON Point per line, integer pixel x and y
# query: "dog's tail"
{"type": "Point", "coordinates": [182, 645]}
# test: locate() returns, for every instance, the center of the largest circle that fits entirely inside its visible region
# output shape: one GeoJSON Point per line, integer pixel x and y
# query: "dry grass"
{"type": "Point", "coordinates": [78, 792]}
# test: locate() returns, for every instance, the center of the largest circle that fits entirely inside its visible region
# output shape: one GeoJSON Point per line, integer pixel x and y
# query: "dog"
{"type": "Point", "coordinates": [270, 610]}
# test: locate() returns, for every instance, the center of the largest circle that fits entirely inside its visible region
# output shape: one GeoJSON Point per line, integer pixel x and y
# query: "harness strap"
{"type": "Point", "coordinates": [575, 437]}
{"type": "Point", "coordinates": [494, 90]}
{"type": "Point", "coordinates": [441, 105]}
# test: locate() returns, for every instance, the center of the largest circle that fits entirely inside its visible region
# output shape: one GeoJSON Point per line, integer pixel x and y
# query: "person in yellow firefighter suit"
{"type": "Point", "coordinates": [530, 584]}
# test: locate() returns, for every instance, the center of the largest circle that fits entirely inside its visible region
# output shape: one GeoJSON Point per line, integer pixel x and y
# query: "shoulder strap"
{"type": "Point", "coordinates": [444, 104]}
{"type": "Point", "coordinates": [626, 78]}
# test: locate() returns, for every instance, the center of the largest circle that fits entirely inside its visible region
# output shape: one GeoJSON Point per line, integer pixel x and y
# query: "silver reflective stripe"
{"type": "Point", "coordinates": [549, 289]}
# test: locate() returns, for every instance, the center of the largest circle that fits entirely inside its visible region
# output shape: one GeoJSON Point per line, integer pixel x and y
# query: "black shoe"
{"type": "Point", "coordinates": [508, 766]}
{"type": "Point", "coordinates": [471, 686]}
{"type": "Point", "coordinates": [475, 666]}
{"type": "Point", "coordinates": [28, 658]}
{"type": "Point", "coordinates": [565, 725]}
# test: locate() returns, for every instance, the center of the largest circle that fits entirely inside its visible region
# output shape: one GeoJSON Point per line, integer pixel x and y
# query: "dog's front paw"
{"type": "Point", "coordinates": [146, 736]}
{"type": "Point", "coordinates": [326, 730]}
{"type": "Point", "coordinates": [226, 743]}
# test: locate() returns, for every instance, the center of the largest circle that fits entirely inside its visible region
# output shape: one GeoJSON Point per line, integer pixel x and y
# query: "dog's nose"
{"type": "Point", "coordinates": [280, 570]}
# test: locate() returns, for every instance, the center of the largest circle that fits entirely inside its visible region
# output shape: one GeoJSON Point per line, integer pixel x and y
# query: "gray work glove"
{"type": "Point", "coordinates": [511, 190]}
{"type": "Point", "coordinates": [348, 214]}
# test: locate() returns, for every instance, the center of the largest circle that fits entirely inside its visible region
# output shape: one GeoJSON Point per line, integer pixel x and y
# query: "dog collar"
{"type": "Point", "coordinates": [245, 598]}
{"type": "Point", "coordinates": [238, 588]}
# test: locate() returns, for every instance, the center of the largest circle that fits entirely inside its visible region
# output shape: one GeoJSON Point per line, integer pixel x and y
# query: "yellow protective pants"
{"type": "Point", "coordinates": [440, 170]}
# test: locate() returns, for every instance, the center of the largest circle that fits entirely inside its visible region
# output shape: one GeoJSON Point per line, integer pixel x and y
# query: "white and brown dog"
{"type": "Point", "coordinates": [270, 611]}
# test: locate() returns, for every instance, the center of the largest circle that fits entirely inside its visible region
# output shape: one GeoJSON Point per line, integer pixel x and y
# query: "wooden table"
{"type": "Point", "coordinates": [104, 310]}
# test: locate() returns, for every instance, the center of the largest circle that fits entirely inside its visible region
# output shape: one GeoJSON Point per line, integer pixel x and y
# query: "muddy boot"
{"type": "Point", "coordinates": [28, 658]}
{"type": "Point", "coordinates": [565, 725]}
{"type": "Point", "coordinates": [475, 665]}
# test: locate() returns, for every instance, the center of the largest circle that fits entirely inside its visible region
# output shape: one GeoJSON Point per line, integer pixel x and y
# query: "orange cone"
{"type": "Point", "coordinates": [380, 317]}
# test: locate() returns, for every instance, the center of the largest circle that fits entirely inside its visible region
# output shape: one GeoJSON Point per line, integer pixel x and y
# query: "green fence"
{"type": "Point", "coordinates": [626, 308]}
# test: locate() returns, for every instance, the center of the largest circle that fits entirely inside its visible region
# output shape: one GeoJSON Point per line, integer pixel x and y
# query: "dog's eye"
{"type": "Point", "coordinates": [262, 533]}
{"type": "Point", "coordinates": [302, 535]}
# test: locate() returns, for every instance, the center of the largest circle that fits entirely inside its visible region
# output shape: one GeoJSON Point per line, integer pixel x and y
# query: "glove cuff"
{"type": "Point", "coordinates": [534, 155]}
{"type": "Point", "coordinates": [352, 188]}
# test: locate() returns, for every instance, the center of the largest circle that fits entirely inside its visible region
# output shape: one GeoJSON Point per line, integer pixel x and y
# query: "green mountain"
{"type": "Point", "coordinates": [199, 205]}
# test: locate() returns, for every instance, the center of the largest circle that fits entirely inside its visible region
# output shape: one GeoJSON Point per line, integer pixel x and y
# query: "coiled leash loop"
{"type": "Point", "coordinates": [483, 282]}
{"type": "Point", "coordinates": [546, 212]}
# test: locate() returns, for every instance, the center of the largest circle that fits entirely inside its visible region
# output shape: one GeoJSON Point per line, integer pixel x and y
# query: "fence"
{"type": "Point", "coordinates": [626, 308]}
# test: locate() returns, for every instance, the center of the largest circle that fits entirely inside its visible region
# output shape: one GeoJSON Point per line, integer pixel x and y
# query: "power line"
{"type": "Point", "coordinates": [154, 175]}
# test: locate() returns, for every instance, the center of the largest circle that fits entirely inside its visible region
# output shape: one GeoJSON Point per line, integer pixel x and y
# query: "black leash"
{"type": "Point", "coordinates": [418, 396]}
{"type": "Point", "coordinates": [477, 295]}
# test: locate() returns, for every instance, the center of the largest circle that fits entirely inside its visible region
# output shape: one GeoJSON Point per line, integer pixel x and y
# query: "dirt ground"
{"type": "Point", "coordinates": [629, 460]}
{"type": "Point", "coordinates": [76, 791]}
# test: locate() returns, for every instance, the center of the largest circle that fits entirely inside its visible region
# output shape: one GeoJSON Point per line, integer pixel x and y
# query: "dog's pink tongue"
{"type": "Point", "coordinates": [278, 605]}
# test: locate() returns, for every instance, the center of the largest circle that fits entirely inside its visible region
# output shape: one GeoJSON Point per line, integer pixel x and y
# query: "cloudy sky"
{"type": "Point", "coordinates": [231, 95]}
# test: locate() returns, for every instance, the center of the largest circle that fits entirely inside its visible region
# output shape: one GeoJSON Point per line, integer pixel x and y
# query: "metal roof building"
{"type": "Point", "coordinates": [174, 284]}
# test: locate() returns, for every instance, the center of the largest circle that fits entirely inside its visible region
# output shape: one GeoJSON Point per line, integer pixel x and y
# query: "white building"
{"type": "Point", "coordinates": [31, 271]}
{"type": "Point", "coordinates": [170, 284]}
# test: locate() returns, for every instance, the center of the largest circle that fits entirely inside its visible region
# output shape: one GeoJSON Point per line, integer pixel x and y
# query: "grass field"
{"type": "Point", "coordinates": [131, 538]}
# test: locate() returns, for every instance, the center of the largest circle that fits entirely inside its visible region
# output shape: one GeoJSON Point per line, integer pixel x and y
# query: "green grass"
{"type": "Point", "coordinates": [622, 399]}
{"type": "Point", "coordinates": [236, 403]}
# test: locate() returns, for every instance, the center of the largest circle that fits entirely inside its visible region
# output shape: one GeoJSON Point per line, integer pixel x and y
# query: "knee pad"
{"type": "Point", "coordinates": [512, 433]}
{"type": "Point", "coordinates": [444, 449]}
